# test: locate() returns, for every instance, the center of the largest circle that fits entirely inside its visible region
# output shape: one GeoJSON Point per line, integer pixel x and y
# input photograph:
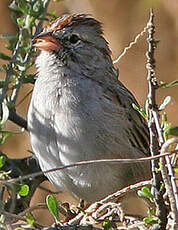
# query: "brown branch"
{"type": "Point", "coordinates": [152, 107]}
{"type": "Point", "coordinates": [91, 214]}
{"type": "Point", "coordinates": [170, 182]}
{"type": "Point", "coordinates": [81, 163]}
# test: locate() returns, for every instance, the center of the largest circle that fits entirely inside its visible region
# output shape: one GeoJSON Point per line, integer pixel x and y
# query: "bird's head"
{"type": "Point", "coordinates": [73, 35]}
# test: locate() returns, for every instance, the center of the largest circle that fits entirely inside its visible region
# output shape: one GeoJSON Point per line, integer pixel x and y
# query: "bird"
{"type": "Point", "coordinates": [81, 111]}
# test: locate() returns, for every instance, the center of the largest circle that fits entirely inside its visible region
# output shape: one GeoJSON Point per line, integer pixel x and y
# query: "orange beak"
{"type": "Point", "coordinates": [44, 41]}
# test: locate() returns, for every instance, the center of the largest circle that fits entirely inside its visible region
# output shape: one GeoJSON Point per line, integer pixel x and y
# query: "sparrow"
{"type": "Point", "coordinates": [80, 111]}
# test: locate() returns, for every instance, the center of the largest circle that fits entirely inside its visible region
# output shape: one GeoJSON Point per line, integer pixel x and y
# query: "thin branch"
{"type": "Point", "coordinates": [170, 182]}
{"type": "Point", "coordinates": [92, 210]}
{"type": "Point", "coordinates": [131, 44]}
{"type": "Point", "coordinates": [154, 145]}
{"type": "Point", "coordinates": [24, 98]}
{"type": "Point", "coordinates": [41, 206]}
{"type": "Point", "coordinates": [81, 163]}
{"type": "Point", "coordinates": [12, 216]}
{"type": "Point", "coordinates": [18, 120]}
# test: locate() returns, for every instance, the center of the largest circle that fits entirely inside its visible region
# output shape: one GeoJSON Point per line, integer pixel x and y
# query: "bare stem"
{"type": "Point", "coordinates": [154, 145]}
{"type": "Point", "coordinates": [157, 139]}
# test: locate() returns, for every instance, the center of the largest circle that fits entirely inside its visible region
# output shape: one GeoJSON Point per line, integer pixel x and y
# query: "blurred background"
{"type": "Point", "coordinates": [122, 21]}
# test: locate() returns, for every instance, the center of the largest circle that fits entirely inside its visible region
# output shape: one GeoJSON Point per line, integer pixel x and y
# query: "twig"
{"type": "Point", "coordinates": [32, 208]}
{"type": "Point", "coordinates": [23, 99]}
{"type": "Point", "coordinates": [93, 208]}
{"type": "Point", "coordinates": [81, 163]}
{"type": "Point", "coordinates": [154, 147]}
{"type": "Point", "coordinates": [131, 44]}
{"type": "Point", "coordinates": [12, 216]}
{"type": "Point", "coordinates": [48, 190]}
{"type": "Point", "coordinates": [41, 206]}
{"type": "Point", "coordinates": [18, 120]}
{"type": "Point", "coordinates": [127, 189]}
{"type": "Point", "coordinates": [170, 183]}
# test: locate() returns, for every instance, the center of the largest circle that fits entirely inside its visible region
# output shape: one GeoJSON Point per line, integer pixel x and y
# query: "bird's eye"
{"type": "Point", "coordinates": [74, 38]}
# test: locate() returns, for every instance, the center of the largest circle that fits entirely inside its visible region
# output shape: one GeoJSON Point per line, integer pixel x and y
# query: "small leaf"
{"type": "Point", "coordinates": [163, 119]}
{"type": "Point", "coordinates": [4, 56]}
{"type": "Point", "coordinates": [30, 219]}
{"type": "Point", "coordinates": [53, 207]}
{"type": "Point", "coordinates": [20, 22]}
{"type": "Point", "coordinates": [2, 84]}
{"type": "Point", "coordinates": [107, 225]}
{"type": "Point", "coordinates": [140, 110]}
{"type": "Point", "coordinates": [2, 161]}
{"type": "Point", "coordinates": [24, 190]}
{"type": "Point", "coordinates": [52, 14]}
{"type": "Point", "coordinates": [166, 126]}
{"type": "Point", "coordinates": [156, 42]}
{"type": "Point", "coordinates": [152, 211]}
{"type": "Point", "coordinates": [145, 192]}
{"type": "Point", "coordinates": [150, 220]}
{"type": "Point", "coordinates": [173, 131]}
{"type": "Point", "coordinates": [176, 170]}
{"type": "Point", "coordinates": [165, 103]}
{"type": "Point", "coordinates": [162, 187]}
{"type": "Point", "coordinates": [163, 84]}
{"type": "Point", "coordinates": [30, 78]}
{"type": "Point", "coordinates": [4, 136]}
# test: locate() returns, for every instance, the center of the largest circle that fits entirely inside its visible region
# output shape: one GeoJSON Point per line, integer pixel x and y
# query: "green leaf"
{"type": "Point", "coordinates": [162, 187]}
{"type": "Point", "coordinates": [2, 161]}
{"type": "Point", "coordinates": [140, 110]}
{"type": "Point", "coordinates": [145, 192]}
{"type": "Point", "coordinates": [165, 103]}
{"type": "Point", "coordinates": [52, 14]}
{"type": "Point", "coordinates": [163, 118]}
{"type": "Point", "coordinates": [30, 78]}
{"type": "Point", "coordinates": [165, 125]}
{"type": "Point", "coordinates": [30, 219]}
{"type": "Point", "coordinates": [2, 84]}
{"type": "Point", "coordinates": [38, 8]}
{"type": "Point", "coordinates": [164, 85]}
{"type": "Point", "coordinates": [23, 6]}
{"type": "Point", "coordinates": [150, 220]}
{"type": "Point", "coordinates": [152, 211]}
{"type": "Point", "coordinates": [4, 136]}
{"type": "Point", "coordinates": [24, 190]}
{"type": "Point", "coordinates": [176, 170]}
{"type": "Point", "coordinates": [172, 131]}
{"type": "Point", "coordinates": [107, 225]}
{"type": "Point", "coordinates": [4, 56]}
{"type": "Point", "coordinates": [53, 207]}
{"type": "Point", "coordinates": [156, 42]}
{"type": "Point", "coordinates": [20, 22]}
